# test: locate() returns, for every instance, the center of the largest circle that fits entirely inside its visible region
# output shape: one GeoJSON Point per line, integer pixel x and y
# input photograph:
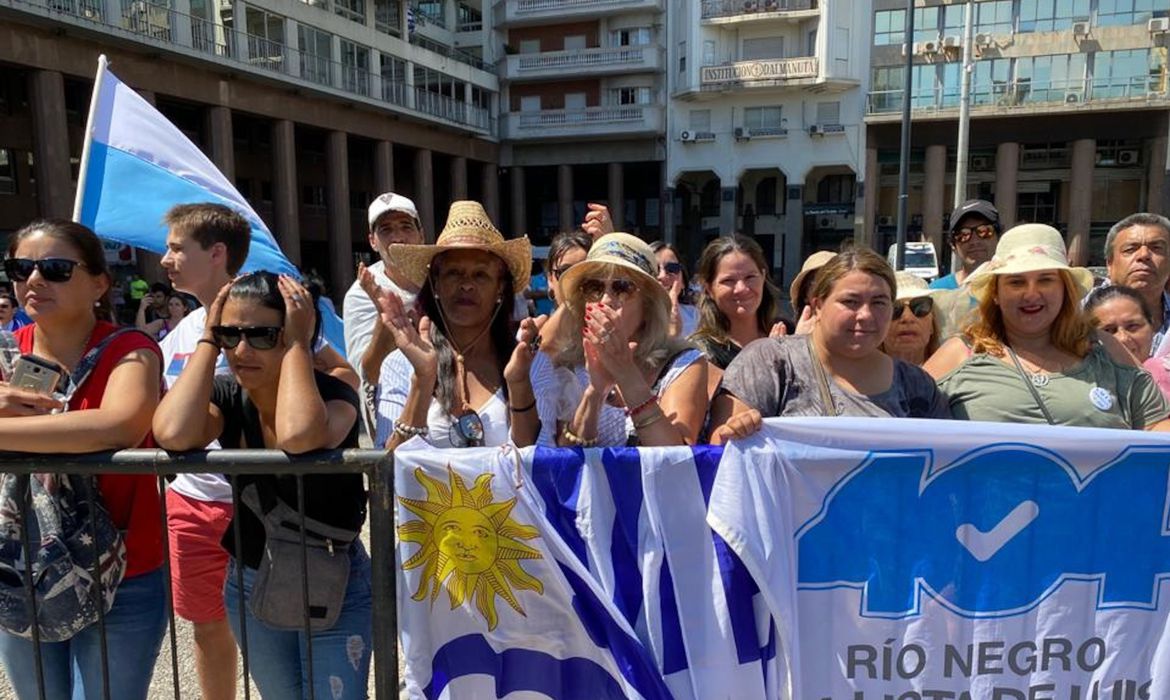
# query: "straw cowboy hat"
{"type": "Point", "coordinates": [811, 264]}
{"type": "Point", "coordinates": [468, 227]}
{"type": "Point", "coordinates": [1029, 248]}
{"type": "Point", "coordinates": [622, 250]}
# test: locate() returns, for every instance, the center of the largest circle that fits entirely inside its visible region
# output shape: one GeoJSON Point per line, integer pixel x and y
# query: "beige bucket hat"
{"type": "Point", "coordinates": [468, 227]}
{"type": "Point", "coordinates": [811, 264]}
{"type": "Point", "coordinates": [1029, 248]}
{"type": "Point", "coordinates": [622, 250]}
{"type": "Point", "coordinates": [910, 286]}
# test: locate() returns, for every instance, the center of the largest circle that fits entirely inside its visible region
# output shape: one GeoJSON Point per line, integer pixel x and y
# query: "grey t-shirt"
{"type": "Point", "coordinates": [777, 377]}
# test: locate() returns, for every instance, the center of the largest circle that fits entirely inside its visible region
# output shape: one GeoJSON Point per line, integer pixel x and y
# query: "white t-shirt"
{"type": "Point", "coordinates": [689, 315]}
{"type": "Point", "coordinates": [177, 348]}
{"type": "Point", "coordinates": [360, 314]}
{"type": "Point", "coordinates": [397, 373]}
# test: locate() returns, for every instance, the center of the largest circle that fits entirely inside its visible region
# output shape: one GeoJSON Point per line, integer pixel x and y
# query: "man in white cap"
{"type": "Point", "coordinates": [393, 219]}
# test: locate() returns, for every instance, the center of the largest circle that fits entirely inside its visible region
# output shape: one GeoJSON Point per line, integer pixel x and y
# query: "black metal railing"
{"type": "Point", "coordinates": [378, 467]}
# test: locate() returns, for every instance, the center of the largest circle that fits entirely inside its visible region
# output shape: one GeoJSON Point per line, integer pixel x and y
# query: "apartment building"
{"type": "Point", "coordinates": [311, 106]}
{"type": "Point", "coordinates": [1070, 114]}
{"type": "Point", "coordinates": [582, 112]}
{"type": "Point", "coordinates": [764, 132]}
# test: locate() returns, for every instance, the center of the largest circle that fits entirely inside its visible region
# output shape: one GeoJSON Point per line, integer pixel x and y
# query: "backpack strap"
{"type": "Point", "coordinates": [89, 360]}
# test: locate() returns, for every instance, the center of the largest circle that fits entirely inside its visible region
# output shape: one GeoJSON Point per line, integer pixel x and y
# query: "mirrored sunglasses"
{"type": "Point", "coordinates": [920, 307]}
{"type": "Point", "coordinates": [52, 269]}
{"type": "Point", "coordinates": [594, 289]}
{"type": "Point", "coordinates": [258, 337]}
{"type": "Point", "coordinates": [984, 231]}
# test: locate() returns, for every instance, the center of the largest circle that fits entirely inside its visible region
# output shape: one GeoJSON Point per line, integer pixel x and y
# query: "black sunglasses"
{"type": "Point", "coordinates": [52, 269]}
{"type": "Point", "coordinates": [469, 428]}
{"type": "Point", "coordinates": [672, 268]}
{"type": "Point", "coordinates": [920, 307]}
{"type": "Point", "coordinates": [258, 337]}
{"type": "Point", "coordinates": [593, 290]}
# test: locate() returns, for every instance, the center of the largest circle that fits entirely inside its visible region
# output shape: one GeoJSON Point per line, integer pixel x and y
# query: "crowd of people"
{"type": "Point", "coordinates": [440, 347]}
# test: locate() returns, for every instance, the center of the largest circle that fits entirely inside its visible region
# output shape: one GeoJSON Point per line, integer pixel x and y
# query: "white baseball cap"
{"type": "Point", "coordinates": [392, 202]}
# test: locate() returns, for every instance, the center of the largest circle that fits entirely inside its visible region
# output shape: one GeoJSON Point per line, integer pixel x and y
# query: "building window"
{"type": "Point", "coordinates": [320, 4]}
{"type": "Point", "coordinates": [431, 11]}
{"type": "Point", "coordinates": [700, 120]}
{"type": "Point", "coordinates": [1051, 15]}
{"type": "Point", "coordinates": [1036, 207]}
{"type": "Point", "coordinates": [1118, 154]}
{"type": "Point", "coordinates": [530, 46]}
{"type": "Point", "coordinates": [991, 83]}
{"type": "Point", "coordinates": [1129, 73]}
{"type": "Point", "coordinates": [386, 17]}
{"type": "Point", "coordinates": [7, 172]}
{"type": "Point", "coordinates": [351, 9]}
{"type": "Point", "coordinates": [682, 57]}
{"type": "Point", "coordinates": [926, 24]}
{"type": "Point", "coordinates": [762, 48]}
{"type": "Point", "coordinates": [355, 67]}
{"type": "Point", "coordinates": [836, 188]}
{"type": "Point", "coordinates": [313, 196]}
{"type": "Point", "coordinates": [1119, 12]}
{"type": "Point", "coordinates": [762, 117]}
{"type": "Point", "coordinates": [470, 19]}
{"type": "Point", "coordinates": [631, 96]}
{"type": "Point", "coordinates": [994, 17]}
{"type": "Point", "coordinates": [393, 72]}
{"type": "Point", "coordinates": [709, 53]}
{"type": "Point", "coordinates": [1050, 78]}
{"type": "Point", "coordinates": [265, 38]}
{"type": "Point", "coordinates": [316, 54]}
{"type": "Point", "coordinates": [829, 113]}
{"type": "Point", "coordinates": [1043, 156]}
{"type": "Point", "coordinates": [766, 196]}
{"type": "Point", "coordinates": [889, 28]}
{"type": "Point", "coordinates": [634, 36]}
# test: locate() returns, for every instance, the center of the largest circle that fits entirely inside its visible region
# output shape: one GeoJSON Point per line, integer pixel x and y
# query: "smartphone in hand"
{"type": "Point", "coordinates": [37, 374]}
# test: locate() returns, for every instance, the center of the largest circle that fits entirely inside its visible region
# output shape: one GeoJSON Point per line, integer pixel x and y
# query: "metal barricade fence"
{"type": "Point", "coordinates": [377, 465]}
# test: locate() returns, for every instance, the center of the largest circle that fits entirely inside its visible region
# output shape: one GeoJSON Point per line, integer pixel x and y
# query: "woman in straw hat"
{"type": "Point", "coordinates": [838, 368]}
{"type": "Point", "coordinates": [626, 380]}
{"type": "Point", "coordinates": [1032, 355]}
{"type": "Point", "coordinates": [460, 378]}
{"type": "Point", "coordinates": [914, 334]}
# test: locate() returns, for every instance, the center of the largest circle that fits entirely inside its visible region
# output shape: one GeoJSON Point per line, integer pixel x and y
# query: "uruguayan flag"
{"type": "Point", "coordinates": [491, 599]}
{"type": "Point", "coordinates": [136, 165]}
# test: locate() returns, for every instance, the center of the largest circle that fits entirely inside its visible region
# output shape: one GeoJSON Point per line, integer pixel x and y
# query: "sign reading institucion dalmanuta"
{"type": "Point", "coordinates": [775, 69]}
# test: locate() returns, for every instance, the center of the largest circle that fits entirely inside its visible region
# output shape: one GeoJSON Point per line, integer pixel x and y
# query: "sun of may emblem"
{"type": "Point", "coordinates": [470, 545]}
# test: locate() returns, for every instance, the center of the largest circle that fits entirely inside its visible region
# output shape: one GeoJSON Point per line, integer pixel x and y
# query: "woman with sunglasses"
{"type": "Point", "coordinates": [672, 275]}
{"type": "Point", "coordinates": [1033, 356]}
{"type": "Point", "coordinates": [460, 378]}
{"type": "Point", "coordinates": [914, 334]}
{"type": "Point", "coordinates": [836, 370]}
{"type": "Point", "coordinates": [626, 380]}
{"type": "Point", "coordinates": [739, 303]}
{"type": "Point", "coordinates": [274, 399]}
{"type": "Point", "coordinates": [59, 269]}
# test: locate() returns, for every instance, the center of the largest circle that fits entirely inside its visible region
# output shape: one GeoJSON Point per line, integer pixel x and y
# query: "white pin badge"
{"type": "Point", "coordinates": [1101, 398]}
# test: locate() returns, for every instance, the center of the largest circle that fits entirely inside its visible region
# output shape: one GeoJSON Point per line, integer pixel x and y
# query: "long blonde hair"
{"type": "Point", "coordinates": [655, 344]}
{"type": "Point", "coordinates": [1071, 332]}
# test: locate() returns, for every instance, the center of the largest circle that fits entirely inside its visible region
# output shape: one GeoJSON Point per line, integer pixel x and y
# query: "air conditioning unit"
{"type": "Point", "coordinates": [742, 134]}
{"type": "Point", "coordinates": [815, 130]}
{"type": "Point", "coordinates": [886, 221]}
{"type": "Point", "coordinates": [1072, 98]}
{"type": "Point", "coordinates": [984, 41]}
{"type": "Point", "coordinates": [1128, 157]}
{"type": "Point", "coordinates": [926, 47]}
{"type": "Point", "coordinates": [980, 163]}
{"type": "Point", "coordinates": [1159, 25]}
{"type": "Point", "coordinates": [1080, 29]}
{"type": "Point", "coordinates": [953, 41]}
{"type": "Point", "coordinates": [687, 136]}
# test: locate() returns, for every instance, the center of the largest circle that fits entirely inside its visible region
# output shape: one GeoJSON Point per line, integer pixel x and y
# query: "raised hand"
{"type": "Point", "coordinates": [609, 354]}
{"type": "Point", "coordinates": [804, 325]}
{"type": "Point", "coordinates": [299, 315]}
{"type": "Point", "coordinates": [597, 221]}
{"type": "Point", "coordinates": [779, 330]}
{"type": "Point", "coordinates": [367, 282]}
{"type": "Point", "coordinates": [414, 343]}
{"type": "Point", "coordinates": [215, 311]}
{"type": "Point", "coordinates": [525, 351]}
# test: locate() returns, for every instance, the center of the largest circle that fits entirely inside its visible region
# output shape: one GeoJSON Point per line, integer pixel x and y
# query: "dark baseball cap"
{"type": "Point", "coordinates": [978, 207]}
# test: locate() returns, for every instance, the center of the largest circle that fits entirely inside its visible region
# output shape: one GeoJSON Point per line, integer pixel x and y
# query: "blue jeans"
{"type": "Point", "coordinates": [341, 655]}
{"type": "Point", "coordinates": [73, 669]}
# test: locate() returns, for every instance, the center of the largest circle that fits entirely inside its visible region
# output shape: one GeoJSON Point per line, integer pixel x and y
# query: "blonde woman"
{"type": "Point", "coordinates": [914, 334]}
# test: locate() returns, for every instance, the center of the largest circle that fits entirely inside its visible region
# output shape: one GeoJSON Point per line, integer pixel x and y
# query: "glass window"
{"type": "Point", "coordinates": [994, 17]}
{"type": "Point", "coordinates": [1051, 15]}
{"type": "Point", "coordinates": [1119, 12]}
{"type": "Point", "coordinates": [889, 28]}
{"type": "Point", "coordinates": [470, 18]}
{"type": "Point", "coordinates": [1129, 73]}
{"type": "Point", "coordinates": [954, 19]}
{"type": "Point", "coordinates": [829, 113]}
{"type": "Point", "coordinates": [1058, 78]}
{"type": "Point", "coordinates": [386, 17]}
{"type": "Point", "coordinates": [634, 36]}
{"type": "Point", "coordinates": [631, 96]}
{"type": "Point", "coordinates": [763, 47]}
{"type": "Point", "coordinates": [351, 9]}
{"type": "Point", "coordinates": [924, 89]}
{"type": "Point", "coordinates": [762, 117]}
{"type": "Point", "coordinates": [7, 172]}
{"type": "Point", "coordinates": [393, 71]}
{"type": "Point", "coordinates": [431, 11]}
{"type": "Point", "coordinates": [991, 82]}
{"type": "Point", "coordinates": [926, 24]}
{"type": "Point", "coordinates": [316, 53]}
{"type": "Point", "coordinates": [708, 53]}
{"type": "Point", "coordinates": [700, 120]}
{"type": "Point", "coordinates": [355, 67]}
{"type": "Point", "coordinates": [887, 90]}
{"type": "Point", "coordinates": [265, 38]}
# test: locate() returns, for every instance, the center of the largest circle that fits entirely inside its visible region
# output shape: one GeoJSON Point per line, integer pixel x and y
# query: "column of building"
{"type": "Point", "coordinates": [51, 144]}
{"type": "Point", "coordinates": [1080, 191]}
{"type": "Point", "coordinates": [341, 264]}
{"type": "Point", "coordinates": [285, 202]}
{"type": "Point", "coordinates": [933, 193]}
{"type": "Point", "coordinates": [793, 231]}
{"type": "Point", "coordinates": [1007, 174]}
{"type": "Point", "coordinates": [565, 197]}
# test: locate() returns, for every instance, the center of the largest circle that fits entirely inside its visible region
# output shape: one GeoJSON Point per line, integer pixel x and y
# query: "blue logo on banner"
{"type": "Point", "coordinates": [992, 534]}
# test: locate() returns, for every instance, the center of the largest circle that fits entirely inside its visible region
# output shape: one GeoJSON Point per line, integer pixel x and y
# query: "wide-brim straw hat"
{"type": "Point", "coordinates": [811, 264]}
{"type": "Point", "coordinates": [910, 286]}
{"type": "Point", "coordinates": [622, 250]}
{"type": "Point", "coordinates": [1029, 248]}
{"type": "Point", "coordinates": [468, 228]}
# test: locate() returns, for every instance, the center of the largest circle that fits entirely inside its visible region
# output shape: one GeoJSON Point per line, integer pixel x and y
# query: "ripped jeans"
{"type": "Point", "coordinates": [277, 659]}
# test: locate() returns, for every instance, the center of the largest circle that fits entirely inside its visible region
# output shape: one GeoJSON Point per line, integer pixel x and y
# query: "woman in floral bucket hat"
{"type": "Point", "coordinates": [1032, 354]}
{"type": "Point", "coordinates": [459, 377]}
{"type": "Point", "coordinates": [625, 380]}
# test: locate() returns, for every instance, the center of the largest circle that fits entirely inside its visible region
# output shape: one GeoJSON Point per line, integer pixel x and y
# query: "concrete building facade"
{"type": "Point", "coordinates": [312, 107]}
{"type": "Point", "coordinates": [1070, 115]}
{"type": "Point", "coordinates": [582, 112]}
{"type": "Point", "coordinates": [764, 132]}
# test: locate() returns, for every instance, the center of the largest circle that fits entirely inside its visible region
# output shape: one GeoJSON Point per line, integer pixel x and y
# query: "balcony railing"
{"type": "Point", "coordinates": [587, 121]}
{"type": "Point", "coordinates": [712, 9]}
{"type": "Point", "coordinates": [769, 72]}
{"type": "Point", "coordinates": [527, 10]}
{"type": "Point", "coordinates": [1021, 94]}
{"type": "Point", "coordinates": [160, 26]}
{"type": "Point", "coordinates": [584, 61]}
{"type": "Point", "coordinates": [451, 52]}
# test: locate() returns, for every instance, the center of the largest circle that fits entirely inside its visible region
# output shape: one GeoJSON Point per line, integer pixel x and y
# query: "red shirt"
{"type": "Point", "coordinates": [132, 499]}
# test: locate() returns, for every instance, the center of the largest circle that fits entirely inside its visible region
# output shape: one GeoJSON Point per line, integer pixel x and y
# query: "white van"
{"type": "Point", "coordinates": [921, 259]}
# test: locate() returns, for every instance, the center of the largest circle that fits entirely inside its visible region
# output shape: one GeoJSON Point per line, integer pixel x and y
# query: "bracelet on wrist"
{"type": "Point", "coordinates": [648, 403]}
{"type": "Point", "coordinates": [649, 420]}
{"type": "Point", "coordinates": [210, 342]}
{"type": "Point", "coordinates": [523, 409]}
{"type": "Point", "coordinates": [575, 440]}
{"type": "Point", "coordinates": [409, 431]}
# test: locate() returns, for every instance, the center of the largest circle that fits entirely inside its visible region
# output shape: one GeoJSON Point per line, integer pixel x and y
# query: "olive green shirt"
{"type": "Point", "coordinates": [1096, 393]}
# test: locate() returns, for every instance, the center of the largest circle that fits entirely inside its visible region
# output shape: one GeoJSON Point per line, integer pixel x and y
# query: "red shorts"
{"type": "Point", "coordinates": [198, 561]}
